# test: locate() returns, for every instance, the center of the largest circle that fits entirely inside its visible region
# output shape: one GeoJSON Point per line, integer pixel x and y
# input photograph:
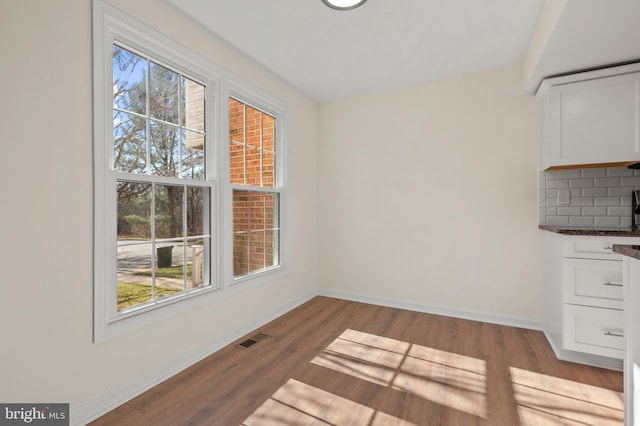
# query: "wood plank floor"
{"type": "Point", "coordinates": [335, 362]}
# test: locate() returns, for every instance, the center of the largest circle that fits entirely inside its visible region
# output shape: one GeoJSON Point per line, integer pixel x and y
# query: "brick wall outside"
{"type": "Point", "coordinates": [252, 162]}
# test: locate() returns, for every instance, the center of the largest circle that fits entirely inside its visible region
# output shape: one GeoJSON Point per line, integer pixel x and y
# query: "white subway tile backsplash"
{"type": "Point", "coordinates": [630, 181]}
{"type": "Point", "coordinates": [581, 221]}
{"type": "Point", "coordinates": [619, 171]}
{"type": "Point", "coordinates": [569, 211]}
{"type": "Point", "coordinates": [607, 221]}
{"type": "Point", "coordinates": [594, 192]}
{"type": "Point", "coordinates": [558, 220]}
{"type": "Point", "coordinates": [606, 182]}
{"type": "Point", "coordinates": [582, 201]}
{"type": "Point", "coordinates": [594, 211]}
{"type": "Point", "coordinates": [581, 183]}
{"type": "Point", "coordinates": [569, 174]}
{"type": "Point", "coordinates": [607, 201]}
{"type": "Point", "coordinates": [622, 191]}
{"type": "Point", "coordinates": [593, 173]}
{"type": "Point", "coordinates": [559, 183]}
{"type": "Point", "coordinates": [618, 211]}
{"type": "Point", "coordinates": [598, 196]}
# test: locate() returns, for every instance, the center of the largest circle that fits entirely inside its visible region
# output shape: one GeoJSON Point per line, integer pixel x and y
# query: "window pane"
{"type": "Point", "coordinates": [134, 211]}
{"type": "Point", "coordinates": [268, 169]}
{"type": "Point", "coordinates": [165, 149]}
{"type": "Point", "coordinates": [192, 160]}
{"type": "Point", "coordinates": [240, 254]}
{"type": "Point", "coordinates": [256, 250]}
{"type": "Point", "coordinates": [129, 81]}
{"type": "Point", "coordinates": [164, 94]}
{"type": "Point", "coordinates": [271, 248]}
{"type": "Point", "coordinates": [255, 231]}
{"type": "Point", "coordinates": [193, 109]}
{"type": "Point", "coordinates": [169, 211]}
{"type": "Point", "coordinates": [129, 143]}
{"type": "Point", "coordinates": [196, 256]}
{"type": "Point", "coordinates": [196, 201]}
{"type": "Point", "coordinates": [256, 210]}
{"type": "Point", "coordinates": [271, 211]}
{"type": "Point", "coordinates": [134, 275]}
{"type": "Point", "coordinates": [268, 132]}
{"type": "Point", "coordinates": [253, 128]}
{"type": "Point", "coordinates": [252, 166]}
{"type": "Point", "coordinates": [169, 273]}
{"type": "Point", "coordinates": [251, 146]}
{"type": "Point", "coordinates": [240, 210]}
{"type": "Point", "coordinates": [236, 121]}
{"type": "Point", "coordinates": [236, 163]}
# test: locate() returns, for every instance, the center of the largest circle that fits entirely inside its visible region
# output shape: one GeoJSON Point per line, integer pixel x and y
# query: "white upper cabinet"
{"type": "Point", "coordinates": [591, 117]}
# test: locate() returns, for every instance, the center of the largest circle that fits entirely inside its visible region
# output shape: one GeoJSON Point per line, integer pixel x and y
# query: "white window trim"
{"type": "Point", "coordinates": [233, 88]}
{"type": "Point", "coordinates": [110, 25]}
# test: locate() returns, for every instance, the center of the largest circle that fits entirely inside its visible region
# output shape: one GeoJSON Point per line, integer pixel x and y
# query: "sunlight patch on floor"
{"type": "Point", "coordinates": [297, 403]}
{"type": "Point", "coordinates": [446, 378]}
{"type": "Point", "coordinates": [543, 399]}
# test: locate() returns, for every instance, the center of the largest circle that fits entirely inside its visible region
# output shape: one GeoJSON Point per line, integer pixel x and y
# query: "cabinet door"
{"type": "Point", "coordinates": [593, 282]}
{"type": "Point", "coordinates": [594, 247]}
{"type": "Point", "coordinates": [594, 121]}
{"type": "Point", "coordinates": [597, 331]}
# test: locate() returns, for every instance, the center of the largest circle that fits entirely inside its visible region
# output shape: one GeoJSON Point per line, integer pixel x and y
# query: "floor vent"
{"type": "Point", "coordinates": [246, 344]}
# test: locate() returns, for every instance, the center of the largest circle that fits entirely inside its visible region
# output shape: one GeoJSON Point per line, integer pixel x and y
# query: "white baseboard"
{"type": "Point", "coordinates": [107, 402]}
{"type": "Point", "coordinates": [436, 310]}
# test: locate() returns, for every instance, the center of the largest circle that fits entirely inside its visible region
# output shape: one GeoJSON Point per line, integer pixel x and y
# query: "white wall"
{"type": "Point", "coordinates": [427, 194]}
{"type": "Point", "coordinates": [46, 224]}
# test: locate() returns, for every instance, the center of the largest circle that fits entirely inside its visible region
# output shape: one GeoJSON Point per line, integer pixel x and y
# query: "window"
{"type": "Point", "coordinates": [161, 189]}
{"type": "Point", "coordinates": [179, 215]}
{"type": "Point", "coordinates": [256, 196]}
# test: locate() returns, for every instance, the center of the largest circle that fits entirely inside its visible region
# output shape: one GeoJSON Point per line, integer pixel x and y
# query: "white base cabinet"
{"type": "Point", "coordinates": [632, 342]}
{"type": "Point", "coordinates": [584, 298]}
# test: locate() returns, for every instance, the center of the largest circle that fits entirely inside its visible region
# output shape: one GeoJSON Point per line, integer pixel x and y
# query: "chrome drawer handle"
{"type": "Point", "coordinates": [611, 333]}
{"type": "Point", "coordinates": [612, 284]}
{"type": "Point", "coordinates": [608, 247]}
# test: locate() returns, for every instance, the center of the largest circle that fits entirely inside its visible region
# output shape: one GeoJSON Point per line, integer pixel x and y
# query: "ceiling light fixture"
{"type": "Point", "coordinates": [343, 4]}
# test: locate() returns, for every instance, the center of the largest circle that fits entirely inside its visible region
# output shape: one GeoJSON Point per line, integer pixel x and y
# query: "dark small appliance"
{"type": "Point", "coordinates": [635, 212]}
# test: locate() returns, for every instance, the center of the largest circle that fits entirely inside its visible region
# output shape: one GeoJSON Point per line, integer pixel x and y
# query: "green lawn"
{"type": "Point", "coordinates": [133, 294]}
{"type": "Point", "coordinates": [130, 294]}
{"type": "Point", "coordinates": [172, 272]}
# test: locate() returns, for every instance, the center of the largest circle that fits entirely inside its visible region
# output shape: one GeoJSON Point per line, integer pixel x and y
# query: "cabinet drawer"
{"type": "Point", "coordinates": [593, 247]}
{"type": "Point", "coordinates": [594, 330]}
{"type": "Point", "coordinates": [593, 282]}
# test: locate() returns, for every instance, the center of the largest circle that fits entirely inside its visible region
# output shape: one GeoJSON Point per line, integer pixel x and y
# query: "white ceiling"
{"type": "Point", "coordinates": [329, 54]}
{"type": "Point", "coordinates": [590, 34]}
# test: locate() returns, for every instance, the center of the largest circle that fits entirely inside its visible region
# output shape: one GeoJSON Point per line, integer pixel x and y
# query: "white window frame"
{"type": "Point", "coordinates": [113, 26]}
{"type": "Point", "coordinates": [233, 88]}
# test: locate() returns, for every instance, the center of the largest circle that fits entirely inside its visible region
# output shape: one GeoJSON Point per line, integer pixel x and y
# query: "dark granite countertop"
{"type": "Point", "coordinates": [593, 230]}
{"type": "Point", "coordinates": [631, 251]}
